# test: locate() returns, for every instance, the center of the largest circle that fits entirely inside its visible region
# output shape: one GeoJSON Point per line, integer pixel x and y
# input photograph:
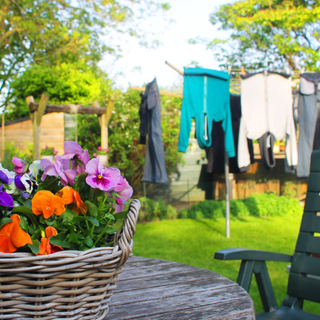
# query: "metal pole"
{"type": "Point", "coordinates": [144, 190]}
{"type": "Point", "coordinates": [226, 172]}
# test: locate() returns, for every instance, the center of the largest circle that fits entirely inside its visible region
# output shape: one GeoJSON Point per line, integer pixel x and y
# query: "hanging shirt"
{"type": "Point", "coordinates": [266, 101]}
{"type": "Point", "coordinates": [150, 123]}
{"type": "Point", "coordinates": [215, 153]}
{"type": "Point", "coordinates": [205, 98]}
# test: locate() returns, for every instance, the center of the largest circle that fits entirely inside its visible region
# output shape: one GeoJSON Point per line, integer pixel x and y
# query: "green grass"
{"type": "Point", "coordinates": [194, 242]}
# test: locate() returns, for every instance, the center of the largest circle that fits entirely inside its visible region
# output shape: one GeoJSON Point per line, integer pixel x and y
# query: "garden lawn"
{"type": "Point", "coordinates": [194, 242]}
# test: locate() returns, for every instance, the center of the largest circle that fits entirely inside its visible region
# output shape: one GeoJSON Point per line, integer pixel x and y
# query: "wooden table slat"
{"type": "Point", "coordinates": [148, 263]}
{"type": "Point", "coordinates": [157, 270]}
{"type": "Point", "coordinates": [170, 290]}
{"type": "Point", "coordinates": [221, 311]}
{"type": "Point", "coordinates": [181, 302]}
{"type": "Point", "coordinates": [163, 280]}
{"type": "Point", "coordinates": [158, 289]}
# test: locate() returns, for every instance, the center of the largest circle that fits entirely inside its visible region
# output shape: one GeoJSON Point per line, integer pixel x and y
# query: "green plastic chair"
{"type": "Point", "coordinates": [304, 277]}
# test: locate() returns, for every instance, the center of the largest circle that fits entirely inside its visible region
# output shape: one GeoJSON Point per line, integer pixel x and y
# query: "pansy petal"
{"type": "Point", "coordinates": [44, 163]}
{"type": "Point", "coordinates": [6, 200]}
{"type": "Point", "coordinates": [127, 191]}
{"type": "Point", "coordinates": [6, 246]}
{"type": "Point", "coordinates": [18, 236]}
{"type": "Point", "coordinates": [19, 184]}
{"type": "Point", "coordinates": [94, 167]}
{"type": "Point", "coordinates": [71, 175]}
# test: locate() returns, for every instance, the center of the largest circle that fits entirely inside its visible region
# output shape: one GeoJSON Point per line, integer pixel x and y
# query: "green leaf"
{"type": "Point", "coordinates": [35, 246]}
{"type": "Point", "coordinates": [110, 230]}
{"type": "Point", "coordinates": [88, 241]}
{"type": "Point", "coordinates": [58, 240]}
{"type": "Point", "coordinates": [50, 222]}
{"type": "Point", "coordinates": [72, 237]}
{"type": "Point", "coordinates": [92, 208]}
{"type": "Point", "coordinates": [121, 215]}
{"type": "Point", "coordinates": [68, 215]}
{"type": "Point", "coordinates": [24, 224]}
{"type": "Point", "coordinates": [94, 221]}
{"type": "Point", "coordinates": [83, 247]}
{"type": "Point", "coordinates": [110, 216]}
{"type": "Point", "coordinates": [4, 221]}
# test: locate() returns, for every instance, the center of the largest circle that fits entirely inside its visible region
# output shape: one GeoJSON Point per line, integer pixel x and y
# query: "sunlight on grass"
{"type": "Point", "coordinates": [194, 242]}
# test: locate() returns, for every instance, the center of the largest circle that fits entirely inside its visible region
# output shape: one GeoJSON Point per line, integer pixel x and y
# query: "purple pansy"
{"type": "Point", "coordinates": [71, 148]}
{"type": "Point", "coordinates": [5, 175]}
{"type": "Point", "coordinates": [5, 199]}
{"type": "Point", "coordinates": [26, 184]}
{"type": "Point", "coordinates": [125, 191]}
{"type": "Point", "coordinates": [61, 167]}
{"type": "Point", "coordinates": [74, 151]}
{"type": "Point", "coordinates": [102, 178]}
{"type": "Point", "coordinates": [19, 165]}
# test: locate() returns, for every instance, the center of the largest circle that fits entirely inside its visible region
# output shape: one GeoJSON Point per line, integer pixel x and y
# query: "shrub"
{"type": "Point", "coordinates": [11, 151]}
{"type": "Point", "coordinates": [152, 210]}
{"type": "Point", "coordinates": [261, 205]}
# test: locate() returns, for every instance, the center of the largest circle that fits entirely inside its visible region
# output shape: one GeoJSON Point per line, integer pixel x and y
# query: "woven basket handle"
{"type": "Point", "coordinates": [123, 237]}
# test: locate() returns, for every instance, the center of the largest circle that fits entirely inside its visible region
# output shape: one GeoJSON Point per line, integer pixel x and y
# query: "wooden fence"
{"type": "Point", "coordinates": [51, 132]}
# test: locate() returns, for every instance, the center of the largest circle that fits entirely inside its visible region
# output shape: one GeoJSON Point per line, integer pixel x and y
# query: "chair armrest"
{"type": "Point", "coordinates": [253, 255]}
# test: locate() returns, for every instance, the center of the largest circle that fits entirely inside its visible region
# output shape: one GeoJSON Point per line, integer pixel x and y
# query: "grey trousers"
{"type": "Point", "coordinates": [308, 113]}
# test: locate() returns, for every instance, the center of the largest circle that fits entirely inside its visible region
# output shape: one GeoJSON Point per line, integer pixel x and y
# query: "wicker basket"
{"type": "Point", "coordinates": [65, 285]}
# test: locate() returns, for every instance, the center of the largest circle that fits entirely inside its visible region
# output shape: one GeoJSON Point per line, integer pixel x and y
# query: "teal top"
{"type": "Point", "coordinates": [206, 98]}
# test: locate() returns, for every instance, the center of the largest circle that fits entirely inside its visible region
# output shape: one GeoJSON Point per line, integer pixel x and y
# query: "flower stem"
{"type": "Point", "coordinates": [35, 171]}
{"type": "Point", "coordinates": [102, 233]}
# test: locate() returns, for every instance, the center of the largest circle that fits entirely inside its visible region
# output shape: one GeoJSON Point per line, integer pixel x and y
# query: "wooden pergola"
{"type": "Point", "coordinates": [37, 110]}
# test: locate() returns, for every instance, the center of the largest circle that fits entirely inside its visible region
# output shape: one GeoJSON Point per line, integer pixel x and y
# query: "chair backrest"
{"type": "Point", "coordinates": [304, 278]}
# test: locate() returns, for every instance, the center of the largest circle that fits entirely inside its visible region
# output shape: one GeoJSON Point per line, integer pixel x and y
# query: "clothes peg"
{"type": "Point", "coordinates": [242, 71]}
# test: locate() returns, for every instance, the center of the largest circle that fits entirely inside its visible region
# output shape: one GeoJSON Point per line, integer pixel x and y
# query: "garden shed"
{"type": "Point", "coordinates": [55, 128]}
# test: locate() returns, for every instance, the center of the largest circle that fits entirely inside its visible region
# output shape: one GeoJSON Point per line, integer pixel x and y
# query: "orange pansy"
{"type": "Point", "coordinates": [46, 203]}
{"type": "Point", "coordinates": [70, 195]}
{"type": "Point", "coordinates": [46, 247]}
{"type": "Point", "coordinates": [12, 236]}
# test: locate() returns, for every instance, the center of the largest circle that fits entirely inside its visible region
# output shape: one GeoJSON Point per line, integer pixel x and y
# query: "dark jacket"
{"type": "Point", "coordinates": [150, 123]}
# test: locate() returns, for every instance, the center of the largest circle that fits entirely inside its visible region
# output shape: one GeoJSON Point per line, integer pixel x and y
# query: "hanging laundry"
{"type": "Point", "coordinates": [205, 98]}
{"type": "Point", "coordinates": [266, 102]}
{"type": "Point", "coordinates": [308, 116]}
{"type": "Point", "coordinates": [150, 123]}
{"type": "Point", "coordinates": [215, 153]}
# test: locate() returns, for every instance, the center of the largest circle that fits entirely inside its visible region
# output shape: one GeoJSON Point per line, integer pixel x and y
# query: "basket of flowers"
{"type": "Point", "coordinates": [59, 253]}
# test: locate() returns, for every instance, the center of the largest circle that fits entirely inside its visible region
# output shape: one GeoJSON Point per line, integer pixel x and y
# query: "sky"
{"type": "Point", "coordinates": [139, 65]}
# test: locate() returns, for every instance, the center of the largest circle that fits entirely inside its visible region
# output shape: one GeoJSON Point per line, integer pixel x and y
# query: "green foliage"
{"type": "Point", "coordinates": [261, 205]}
{"type": "Point", "coordinates": [64, 84]}
{"type": "Point", "coordinates": [289, 189]}
{"type": "Point", "coordinates": [268, 34]}
{"type": "Point", "coordinates": [124, 132]}
{"type": "Point", "coordinates": [52, 32]}
{"type": "Point", "coordinates": [11, 151]}
{"type": "Point", "coordinates": [152, 210]}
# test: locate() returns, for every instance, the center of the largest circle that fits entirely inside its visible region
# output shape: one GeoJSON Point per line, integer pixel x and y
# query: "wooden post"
{"type": "Point", "coordinates": [104, 122]}
{"type": "Point", "coordinates": [36, 120]}
{"type": "Point", "coordinates": [2, 135]}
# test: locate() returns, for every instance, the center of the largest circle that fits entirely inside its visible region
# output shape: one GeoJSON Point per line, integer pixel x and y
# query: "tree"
{"type": "Point", "coordinates": [64, 84]}
{"type": "Point", "coordinates": [50, 32]}
{"type": "Point", "coordinates": [274, 34]}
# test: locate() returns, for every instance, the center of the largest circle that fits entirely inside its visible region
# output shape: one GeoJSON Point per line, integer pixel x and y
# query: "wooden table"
{"type": "Point", "coordinates": [160, 289]}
